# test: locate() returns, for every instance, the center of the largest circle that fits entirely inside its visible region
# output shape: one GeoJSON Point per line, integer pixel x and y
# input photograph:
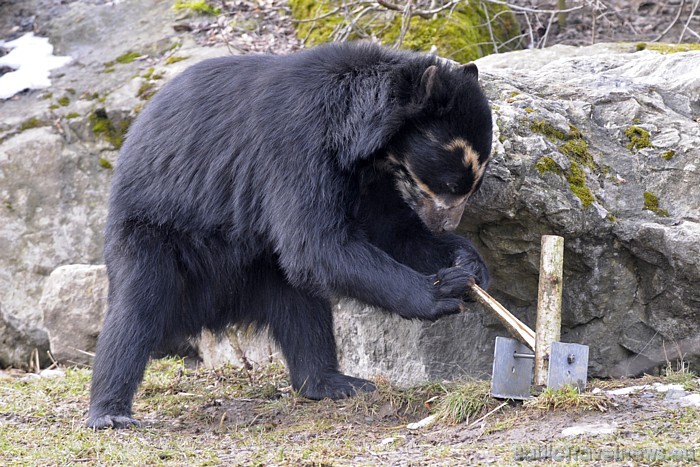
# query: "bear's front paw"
{"type": "Point", "coordinates": [453, 282]}
{"type": "Point", "coordinates": [475, 267]}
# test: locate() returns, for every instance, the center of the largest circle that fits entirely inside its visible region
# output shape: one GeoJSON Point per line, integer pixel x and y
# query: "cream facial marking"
{"type": "Point", "coordinates": [470, 158]}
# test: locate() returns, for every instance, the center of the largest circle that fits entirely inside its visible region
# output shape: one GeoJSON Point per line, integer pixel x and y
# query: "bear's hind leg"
{"type": "Point", "coordinates": [143, 293]}
{"type": "Point", "coordinates": [302, 324]}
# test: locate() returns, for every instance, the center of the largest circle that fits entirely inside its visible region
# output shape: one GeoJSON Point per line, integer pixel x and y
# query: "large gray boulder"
{"type": "Point", "coordinates": [57, 149]}
{"type": "Point", "coordinates": [564, 164]}
{"type": "Point", "coordinates": [632, 259]}
{"type": "Point", "coordinates": [73, 306]}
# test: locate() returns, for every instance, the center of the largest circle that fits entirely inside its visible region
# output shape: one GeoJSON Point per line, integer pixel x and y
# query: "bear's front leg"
{"type": "Point", "coordinates": [301, 323]}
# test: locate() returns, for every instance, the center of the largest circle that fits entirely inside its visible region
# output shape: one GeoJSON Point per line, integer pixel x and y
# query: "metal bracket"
{"type": "Point", "coordinates": [513, 365]}
{"type": "Point", "coordinates": [568, 364]}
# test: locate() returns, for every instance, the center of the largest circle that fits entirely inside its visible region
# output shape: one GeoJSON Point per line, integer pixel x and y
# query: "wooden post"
{"type": "Point", "coordinates": [549, 294]}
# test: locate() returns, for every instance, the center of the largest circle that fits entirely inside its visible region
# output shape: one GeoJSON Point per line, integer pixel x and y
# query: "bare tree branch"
{"type": "Point", "coordinates": [673, 23]}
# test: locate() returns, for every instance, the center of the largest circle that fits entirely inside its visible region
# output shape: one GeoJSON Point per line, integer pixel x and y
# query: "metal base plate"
{"type": "Point", "coordinates": [568, 364]}
{"type": "Point", "coordinates": [512, 376]}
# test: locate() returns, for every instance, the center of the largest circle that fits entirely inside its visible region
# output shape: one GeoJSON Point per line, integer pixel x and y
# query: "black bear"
{"type": "Point", "coordinates": [253, 189]}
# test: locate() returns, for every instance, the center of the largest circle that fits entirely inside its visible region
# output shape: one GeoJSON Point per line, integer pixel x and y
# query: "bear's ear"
{"type": "Point", "coordinates": [428, 84]}
{"type": "Point", "coordinates": [470, 70]}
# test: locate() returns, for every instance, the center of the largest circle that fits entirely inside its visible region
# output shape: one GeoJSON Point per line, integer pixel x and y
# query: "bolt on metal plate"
{"type": "Point", "coordinates": [513, 365]}
{"type": "Point", "coordinates": [568, 364]}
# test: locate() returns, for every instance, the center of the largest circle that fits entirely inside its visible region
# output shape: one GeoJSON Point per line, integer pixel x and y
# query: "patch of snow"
{"type": "Point", "coordinates": [32, 59]}
{"type": "Point", "coordinates": [625, 391]}
{"type": "Point", "coordinates": [593, 429]}
{"type": "Point", "coordinates": [667, 387]}
{"type": "Point", "coordinates": [422, 424]}
{"type": "Point", "coordinates": [690, 400]}
{"type": "Point", "coordinates": [52, 373]}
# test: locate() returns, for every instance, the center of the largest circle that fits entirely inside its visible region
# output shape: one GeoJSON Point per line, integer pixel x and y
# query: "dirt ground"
{"type": "Point", "coordinates": [196, 416]}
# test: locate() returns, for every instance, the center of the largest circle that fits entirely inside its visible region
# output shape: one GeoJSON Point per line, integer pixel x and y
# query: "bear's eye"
{"type": "Point", "coordinates": [451, 187]}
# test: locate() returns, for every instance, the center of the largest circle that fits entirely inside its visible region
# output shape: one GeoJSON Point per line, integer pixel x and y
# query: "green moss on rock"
{"type": "Point", "coordinates": [546, 164]}
{"type": "Point", "coordinates": [577, 183]}
{"type": "Point", "coordinates": [651, 203]}
{"type": "Point", "coordinates": [666, 48]}
{"type": "Point", "coordinates": [547, 129]}
{"type": "Point", "coordinates": [63, 101]}
{"type": "Point", "coordinates": [105, 164]}
{"type": "Point", "coordinates": [462, 35]}
{"type": "Point", "coordinates": [577, 150]}
{"type": "Point", "coordinates": [31, 123]}
{"type": "Point", "coordinates": [174, 59]}
{"type": "Point", "coordinates": [72, 115]}
{"type": "Point", "coordinates": [199, 7]}
{"type": "Point", "coordinates": [103, 127]}
{"type": "Point", "coordinates": [668, 155]}
{"type": "Point", "coordinates": [128, 57]}
{"type": "Point", "coordinates": [638, 138]}
{"type": "Point", "coordinates": [146, 90]}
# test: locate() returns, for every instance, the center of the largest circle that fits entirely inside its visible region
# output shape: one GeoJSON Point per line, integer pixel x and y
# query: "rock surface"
{"type": "Point", "coordinates": [73, 307]}
{"type": "Point", "coordinates": [631, 260]}
{"type": "Point", "coordinates": [631, 268]}
{"type": "Point", "coordinates": [55, 159]}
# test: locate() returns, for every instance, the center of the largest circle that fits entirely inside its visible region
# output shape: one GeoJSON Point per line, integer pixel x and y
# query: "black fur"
{"type": "Point", "coordinates": [253, 189]}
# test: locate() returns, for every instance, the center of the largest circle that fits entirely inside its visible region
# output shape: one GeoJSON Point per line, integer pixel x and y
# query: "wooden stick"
{"type": "Point", "coordinates": [516, 327]}
{"type": "Point", "coordinates": [548, 304]}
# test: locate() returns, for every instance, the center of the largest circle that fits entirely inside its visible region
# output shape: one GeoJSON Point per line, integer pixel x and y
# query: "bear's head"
{"type": "Point", "coordinates": [439, 156]}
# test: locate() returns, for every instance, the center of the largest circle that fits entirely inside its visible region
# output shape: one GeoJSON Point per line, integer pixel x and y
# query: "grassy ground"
{"type": "Point", "coordinates": [195, 416]}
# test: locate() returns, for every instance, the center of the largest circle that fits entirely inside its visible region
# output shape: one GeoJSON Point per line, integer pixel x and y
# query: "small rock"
{"type": "Point", "coordinates": [625, 391]}
{"type": "Point", "coordinates": [692, 400]}
{"type": "Point", "coordinates": [52, 373]}
{"type": "Point", "coordinates": [592, 429]}
{"type": "Point", "coordinates": [667, 387]}
{"type": "Point", "coordinates": [675, 394]}
{"type": "Point", "coordinates": [421, 424]}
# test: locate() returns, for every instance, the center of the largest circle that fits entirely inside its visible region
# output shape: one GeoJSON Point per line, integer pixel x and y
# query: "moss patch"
{"type": "Point", "coordinates": [638, 138]}
{"type": "Point", "coordinates": [104, 127]}
{"type": "Point", "coordinates": [547, 165]}
{"type": "Point", "coordinates": [123, 59]}
{"type": "Point", "coordinates": [128, 57]}
{"type": "Point", "coordinates": [105, 164]}
{"type": "Point", "coordinates": [146, 90]}
{"type": "Point", "coordinates": [461, 35]}
{"type": "Point", "coordinates": [72, 115]}
{"type": "Point", "coordinates": [31, 123]}
{"type": "Point", "coordinates": [575, 148]}
{"type": "Point", "coordinates": [63, 101]}
{"type": "Point", "coordinates": [174, 59]}
{"type": "Point", "coordinates": [577, 183]}
{"type": "Point", "coordinates": [651, 203]}
{"type": "Point", "coordinates": [548, 130]}
{"type": "Point", "coordinates": [668, 155]}
{"type": "Point", "coordinates": [200, 8]}
{"type": "Point", "coordinates": [666, 48]}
